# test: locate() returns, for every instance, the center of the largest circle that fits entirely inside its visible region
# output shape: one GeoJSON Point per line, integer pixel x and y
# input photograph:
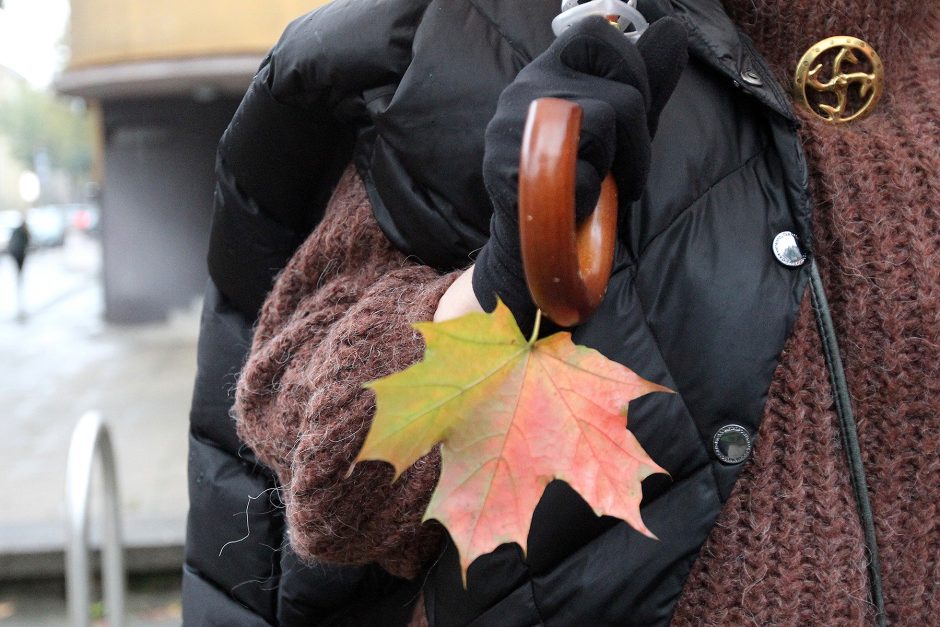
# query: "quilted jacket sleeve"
{"type": "Point", "coordinates": [293, 134]}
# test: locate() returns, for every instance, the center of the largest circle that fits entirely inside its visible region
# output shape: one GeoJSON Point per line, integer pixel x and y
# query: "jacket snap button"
{"type": "Point", "coordinates": [751, 78]}
{"type": "Point", "coordinates": [732, 444]}
{"type": "Point", "coordinates": [786, 249]}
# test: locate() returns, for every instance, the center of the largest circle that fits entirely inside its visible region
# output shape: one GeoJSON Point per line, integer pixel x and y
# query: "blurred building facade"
{"type": "Point", "coordinates": [11, 85]}
{"type": "Point", "coordinates": [164, 79]}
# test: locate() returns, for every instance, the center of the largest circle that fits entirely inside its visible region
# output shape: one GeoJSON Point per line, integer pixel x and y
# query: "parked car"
{"type": "Point", "coordinates": [47, 226]}
{"type": "Point", "coordinates": [85, 218]}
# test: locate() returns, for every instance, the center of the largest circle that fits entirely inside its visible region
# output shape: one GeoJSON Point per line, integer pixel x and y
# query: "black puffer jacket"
{"type": "Point", "coordinates": [406, 88]}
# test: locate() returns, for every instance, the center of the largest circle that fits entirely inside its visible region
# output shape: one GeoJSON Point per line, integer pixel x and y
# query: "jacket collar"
{"type": "Point", "coordinates": [715, 40]}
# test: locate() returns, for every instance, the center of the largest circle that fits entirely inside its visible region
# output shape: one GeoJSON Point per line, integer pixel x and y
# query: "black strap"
{"type": "Point", "coordinates": [853, 451]}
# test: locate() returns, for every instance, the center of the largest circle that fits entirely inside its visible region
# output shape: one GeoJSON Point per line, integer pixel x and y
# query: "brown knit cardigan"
{"type": "Point", "coordinates": [788, 548]}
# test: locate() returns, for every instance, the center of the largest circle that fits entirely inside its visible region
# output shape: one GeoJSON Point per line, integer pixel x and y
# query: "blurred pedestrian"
{"type": "Point", "coordinates": [17, 247]}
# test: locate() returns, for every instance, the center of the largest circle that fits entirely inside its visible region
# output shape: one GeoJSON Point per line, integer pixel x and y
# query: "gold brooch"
{"type": "Point", "coordinates": [830, 94]}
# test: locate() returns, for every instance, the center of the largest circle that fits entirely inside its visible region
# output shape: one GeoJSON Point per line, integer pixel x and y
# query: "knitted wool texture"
{"type": "Point", "coordinates": [788, 548]}
{"type": "Point", "coordinates": [340, 315]}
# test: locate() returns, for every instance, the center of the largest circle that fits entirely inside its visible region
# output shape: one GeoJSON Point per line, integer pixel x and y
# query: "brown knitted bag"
{"type": "Point", "coordinates": [340, 315]}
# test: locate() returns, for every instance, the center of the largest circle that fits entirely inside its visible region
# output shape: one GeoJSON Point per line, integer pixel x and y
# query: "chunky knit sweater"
{"type": "Point", "coordinates": [788, 547]}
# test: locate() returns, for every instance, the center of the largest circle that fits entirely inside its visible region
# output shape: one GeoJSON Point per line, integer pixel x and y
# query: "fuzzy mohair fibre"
{"type": "Point", "coordinates": [340, 315]}
{"type": "Point", "coordinates": [788, 548]}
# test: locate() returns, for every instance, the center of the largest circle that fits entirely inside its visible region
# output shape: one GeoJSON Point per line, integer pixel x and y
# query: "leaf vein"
{"type": "Point", "coordinates": [436, 406]}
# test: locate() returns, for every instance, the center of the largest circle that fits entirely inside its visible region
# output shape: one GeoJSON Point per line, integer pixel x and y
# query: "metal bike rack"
{"type": "Point", "coordinates": [91, 441]}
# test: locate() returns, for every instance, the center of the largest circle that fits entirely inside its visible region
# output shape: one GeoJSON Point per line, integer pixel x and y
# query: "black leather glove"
{"type": "Point", "coordinates": [622, 89]}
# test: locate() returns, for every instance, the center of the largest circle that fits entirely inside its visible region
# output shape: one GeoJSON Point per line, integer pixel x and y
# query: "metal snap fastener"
{"type": "Point", "coordinates": [751, 77]}
{"type": "Point", "coordinates": [787, 250]}
{"type": "Point", "coordinates": [732, 444]}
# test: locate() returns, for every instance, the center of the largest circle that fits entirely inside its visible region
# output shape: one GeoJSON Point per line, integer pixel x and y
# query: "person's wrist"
{"type": "Point", "coordinates": [494, 278]}
{"type": "Point", "coordinates": [459, 299]}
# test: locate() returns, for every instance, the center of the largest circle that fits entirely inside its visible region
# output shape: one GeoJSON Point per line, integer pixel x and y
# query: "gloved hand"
{"type": "Point", "coordinates": [622, 89]}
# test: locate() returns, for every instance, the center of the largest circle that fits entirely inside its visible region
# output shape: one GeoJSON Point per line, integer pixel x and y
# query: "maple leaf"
{"type": "Point", "coordinates": [512, 415]}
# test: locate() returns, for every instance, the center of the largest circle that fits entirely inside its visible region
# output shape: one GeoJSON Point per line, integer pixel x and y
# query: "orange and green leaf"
{"type": "Point", "coordinates": [512, 415]}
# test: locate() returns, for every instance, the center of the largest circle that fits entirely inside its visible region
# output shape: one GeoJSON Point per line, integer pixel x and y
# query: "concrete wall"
{"type": "Point", "coordinates": [164, 78]}
{"type": "Point", "coordinates": [157, 202]}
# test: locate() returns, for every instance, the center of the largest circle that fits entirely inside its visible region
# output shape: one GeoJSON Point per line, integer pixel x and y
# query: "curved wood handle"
{"type": "Point", "coordinates": [566, 268]}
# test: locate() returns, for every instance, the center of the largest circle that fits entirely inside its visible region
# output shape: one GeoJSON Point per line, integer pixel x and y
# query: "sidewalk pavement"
{"type": "Point", "coordinates": [62, 361]}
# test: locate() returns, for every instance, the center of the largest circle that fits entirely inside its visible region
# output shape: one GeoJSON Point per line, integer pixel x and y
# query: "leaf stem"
{"type": "Point", "coordinates": [535, 331]}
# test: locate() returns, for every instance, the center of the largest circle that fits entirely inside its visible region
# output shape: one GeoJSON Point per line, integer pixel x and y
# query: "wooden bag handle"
{"type": "Point", "coordinates": [566, 267]}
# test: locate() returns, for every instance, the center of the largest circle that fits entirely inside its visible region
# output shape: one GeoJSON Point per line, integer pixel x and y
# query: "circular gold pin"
{"type": "Point", "coordinates": [840, 79]}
